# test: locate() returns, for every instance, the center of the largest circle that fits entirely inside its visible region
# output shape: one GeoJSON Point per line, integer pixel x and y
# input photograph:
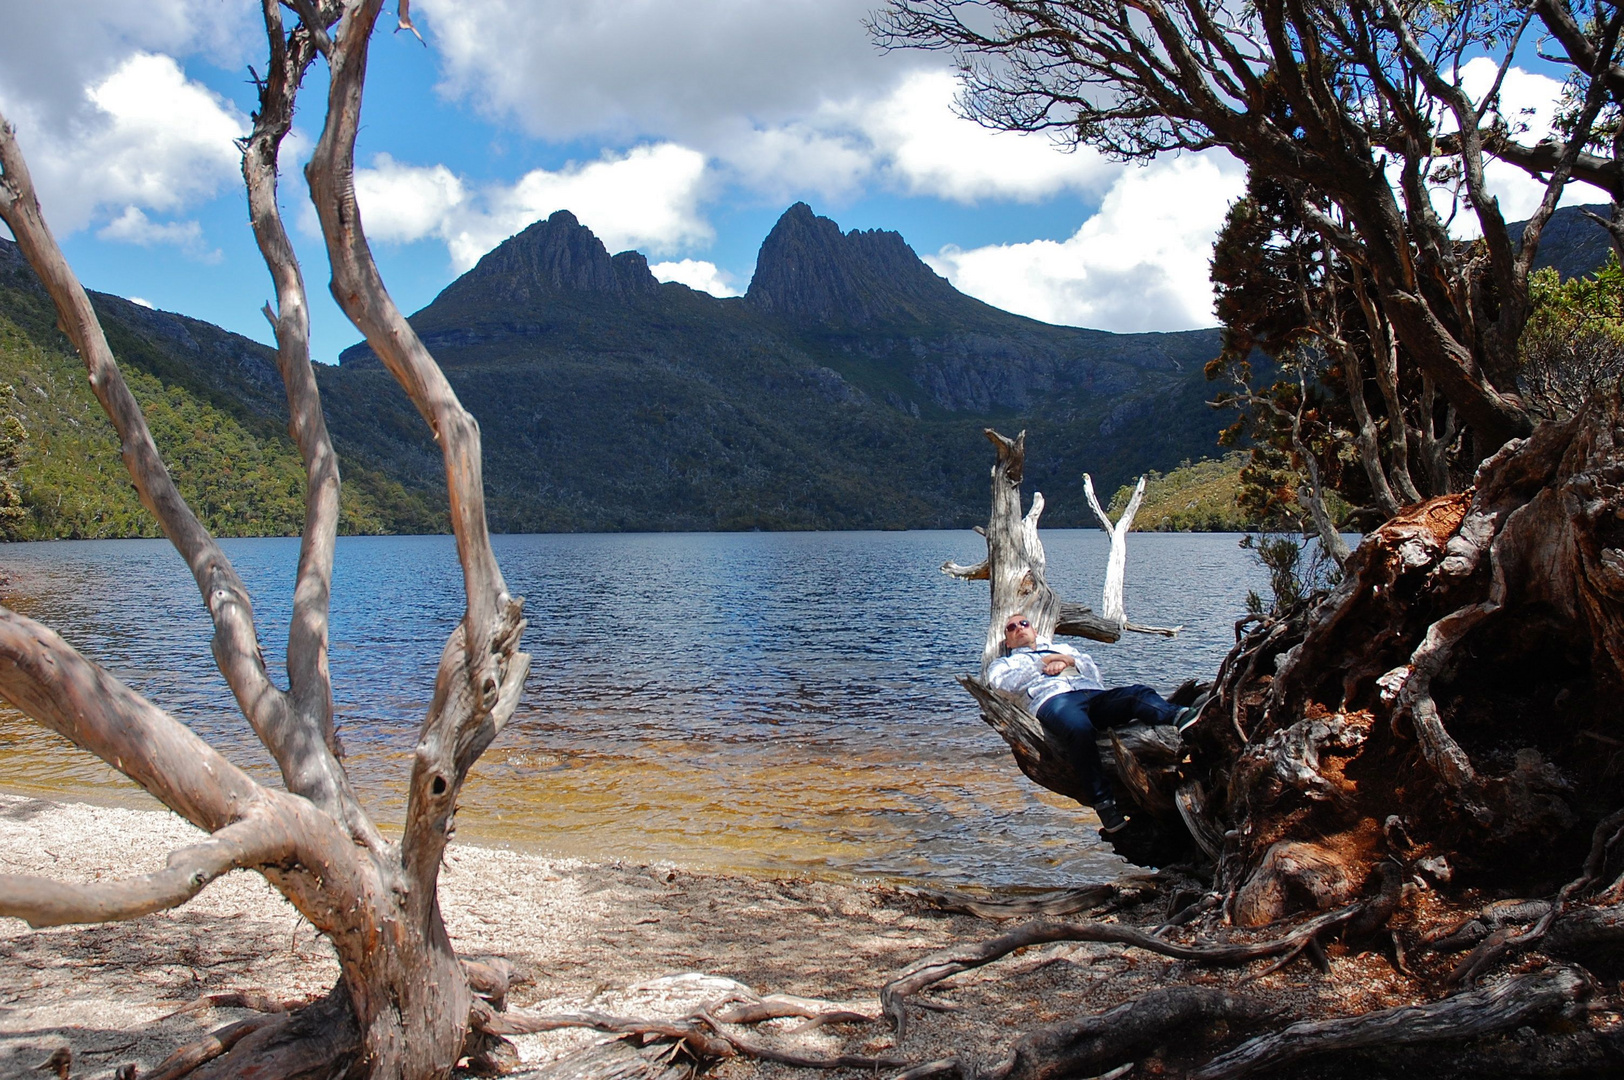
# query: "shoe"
{"type": "Point", "coordinates": [1111, 819]}
{"type": "Point", "coordinates": [1185, 718]}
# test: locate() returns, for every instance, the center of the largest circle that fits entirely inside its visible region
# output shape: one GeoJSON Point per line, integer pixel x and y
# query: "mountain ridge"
{"type": "Point", "coordinates": [846, 389]}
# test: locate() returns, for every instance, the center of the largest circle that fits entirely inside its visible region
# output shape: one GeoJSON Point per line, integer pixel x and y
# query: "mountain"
{"type": "Point", "coordinates": [846, 389]}
{"type": "Point", "coordinates": [1570, 241]}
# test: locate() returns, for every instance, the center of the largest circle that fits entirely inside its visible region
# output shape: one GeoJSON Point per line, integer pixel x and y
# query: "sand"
{"type": "Point", "coordinates": [630, 939]}
{"type": "Point", "coordinates": [622, 938]}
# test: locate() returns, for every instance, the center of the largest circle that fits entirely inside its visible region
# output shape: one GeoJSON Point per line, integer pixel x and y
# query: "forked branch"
{"type": "Point", "coordinates": [308, 767]}
{"type": "Point", "coordinates": [1112, 605]}
{"type": "Point", "coordinates": [481, 671]}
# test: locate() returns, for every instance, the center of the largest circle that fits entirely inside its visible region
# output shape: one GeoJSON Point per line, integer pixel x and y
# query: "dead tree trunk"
{"type": "Point", "coordinates": [1140, 758]}
{"type": "Point", "coordinates": [404, 1006]}
{"type": "Point", "coordinates": [1016, 567]}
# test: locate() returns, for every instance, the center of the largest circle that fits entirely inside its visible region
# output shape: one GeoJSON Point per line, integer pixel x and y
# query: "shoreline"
{"type": "Point", "coordinates": [620, 937]}
{"type": "Point", "coordinates": [627, 939]}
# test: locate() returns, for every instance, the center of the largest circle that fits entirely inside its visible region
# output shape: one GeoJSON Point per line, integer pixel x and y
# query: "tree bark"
{"type": "Point", "coordinates": [404, 1004]}
{"type": "Point", "coordinates": [1395, 721]}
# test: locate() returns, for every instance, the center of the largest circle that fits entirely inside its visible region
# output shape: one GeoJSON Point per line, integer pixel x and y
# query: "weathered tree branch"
{"type": "Point", "coordinates": [1112, 605]}
{"type": "Point", "coordinates": [481, 670]}
{"type": "Point", "coordinates": [254, 841]}
{"type": "Point", "coordinates": [44, 677]}
{"type": "Point", "coordinates": [310, 690]}
{"type": "Point", "coordinates": [308, 768]}
{"type": "Point", "coordinates": [1506, 1006]}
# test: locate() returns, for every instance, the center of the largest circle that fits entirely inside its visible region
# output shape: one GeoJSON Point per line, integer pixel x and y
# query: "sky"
{"type": "Point", "coordinates": [680, 128]}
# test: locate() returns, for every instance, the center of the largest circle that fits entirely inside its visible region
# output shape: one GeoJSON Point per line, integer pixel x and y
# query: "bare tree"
{"type": "Point", "coordinates": [405, 1006]}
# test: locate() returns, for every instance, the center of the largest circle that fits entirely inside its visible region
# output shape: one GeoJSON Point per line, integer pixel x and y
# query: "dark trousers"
{"type": "Point", "coordinates": [1076, 718]}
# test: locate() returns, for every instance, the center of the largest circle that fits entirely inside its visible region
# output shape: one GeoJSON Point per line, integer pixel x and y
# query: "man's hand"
{"type": "Point", "coordinates": [1055, 663]}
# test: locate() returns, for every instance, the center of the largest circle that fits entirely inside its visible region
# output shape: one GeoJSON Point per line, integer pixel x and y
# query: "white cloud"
{"type": "Point", "coordinates": [930, 150]}
{"type": "Point", "coordinates": [796, 159]}
{"type": "Point", "coordinates": [403, 203]}
{"type": "Point", "coordinates": [51, 52]}
{"type": "Point", "coordinates": [134, 227]}
{"type": "Point", "coordinates": [652, 68]}
{"type": "Point", "coordinates": [647, 198]}
{"type": "Point", "coordinates": [140, 301]}
{"type": "Point", "coordinates": [1140, 263]}
{"type": "Point", "coordinates": [1528, 104]}
{"type": "Point", "coordinates": [910, 139]}
{"type": "Point", "coordinates": [147, 138]}
{"type": "Point", "coordinates": [696, 274]}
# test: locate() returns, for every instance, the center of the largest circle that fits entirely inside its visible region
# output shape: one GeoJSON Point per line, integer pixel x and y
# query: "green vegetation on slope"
{"type": "Point", "coordinates": [1199, 497]}
{"type": "Point", "coordinates": [240, 475]}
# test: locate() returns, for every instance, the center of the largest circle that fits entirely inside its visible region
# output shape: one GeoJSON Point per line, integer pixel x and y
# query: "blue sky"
{"type": "Point", "coordinates": [680, 129]}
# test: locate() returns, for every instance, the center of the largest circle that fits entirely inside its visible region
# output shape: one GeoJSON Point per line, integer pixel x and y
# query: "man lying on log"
{"type": "Point", "coordinates": [1063, 690]}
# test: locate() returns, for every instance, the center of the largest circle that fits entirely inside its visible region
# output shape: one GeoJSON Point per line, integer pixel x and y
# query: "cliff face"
{"type": "Point", "coordinates": [809, 272]}
{"type": "Point", "coordinates": [556, 255]}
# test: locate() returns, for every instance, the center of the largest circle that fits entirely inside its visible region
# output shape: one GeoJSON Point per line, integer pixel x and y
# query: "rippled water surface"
{"type": "Point", "coordinates": [733, 701]}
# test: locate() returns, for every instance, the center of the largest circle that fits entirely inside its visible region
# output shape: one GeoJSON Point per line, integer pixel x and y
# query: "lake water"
{"type": "Point", "coordinates": [758, 701]}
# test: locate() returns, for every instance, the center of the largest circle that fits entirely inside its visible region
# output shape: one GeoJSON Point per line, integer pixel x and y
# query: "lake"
{"type": "Point", "coordinates": [737, 701]}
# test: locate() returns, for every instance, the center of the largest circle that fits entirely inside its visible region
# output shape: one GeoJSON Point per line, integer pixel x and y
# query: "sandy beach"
{"type": "Point", "coordinates": [652, 941]}
{"type": "Point", "coordinates": [622, 938]}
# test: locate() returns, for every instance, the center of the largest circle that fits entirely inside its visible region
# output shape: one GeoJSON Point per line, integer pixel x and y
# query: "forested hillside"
{"type": "Point", "coordinates": [222, 436]}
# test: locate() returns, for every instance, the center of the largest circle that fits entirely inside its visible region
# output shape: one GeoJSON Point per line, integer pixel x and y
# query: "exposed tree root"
{"type": "Point", "coordinates": [627, 1058]}
{"type": "Point", "coordinates": [1508, 1005]}
{"type": "Point", "coordinates": [189, 1057]}
{"type": "Point", "coordinates": [933, 969]}
{"type": "Point", "coordinates": [699, 1034]}
{"type": "Point", "coordinates": [1055, 904]}
{"type": "Point", "coordinates": [253, 1000]}
{"type": "Point", "coordinates": [948, 1068]}
{"type": "Point", "coordinates": [1090, 1045]}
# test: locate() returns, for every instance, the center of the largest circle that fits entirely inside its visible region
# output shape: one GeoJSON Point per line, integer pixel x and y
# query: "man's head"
{"type": "Point", "coordinates": [1019, 631]}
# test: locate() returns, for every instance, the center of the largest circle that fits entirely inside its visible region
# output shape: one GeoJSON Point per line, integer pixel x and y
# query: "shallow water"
{"type": "Point", "coordinates": [754, 701]}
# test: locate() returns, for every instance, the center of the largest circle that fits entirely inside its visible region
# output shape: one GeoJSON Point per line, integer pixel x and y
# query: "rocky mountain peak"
{"type": "Point", "coordinates": [556, 255]}
{"type": "Point", "coordinates": [809, 271]}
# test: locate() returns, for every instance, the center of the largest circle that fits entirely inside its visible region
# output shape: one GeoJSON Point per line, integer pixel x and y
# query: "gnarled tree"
{"type": "Point", "coordinates": [405, 1006]}
{"type": "Point", "coordinates": [1360, 110]}
{"type": "Point", "coordinates": [1432, 723]}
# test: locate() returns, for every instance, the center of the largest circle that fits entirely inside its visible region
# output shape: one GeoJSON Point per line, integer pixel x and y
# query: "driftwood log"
{"type": "Point", "coordinates": [1140, 759]}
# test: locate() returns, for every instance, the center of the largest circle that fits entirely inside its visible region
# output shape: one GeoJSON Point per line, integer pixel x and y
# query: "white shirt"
{"type": "Point", "coordinates": [1021, 672]}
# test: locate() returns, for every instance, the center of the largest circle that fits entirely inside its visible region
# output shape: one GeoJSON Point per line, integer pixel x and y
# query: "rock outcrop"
{"type": "Point", "coordinates": [556, 255]}
{"type": "Point", "coordinates": [808, 271]}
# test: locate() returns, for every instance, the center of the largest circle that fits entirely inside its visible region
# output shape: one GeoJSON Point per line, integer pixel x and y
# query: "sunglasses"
{"type": "Point", "coordinates": [1021, 624]}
